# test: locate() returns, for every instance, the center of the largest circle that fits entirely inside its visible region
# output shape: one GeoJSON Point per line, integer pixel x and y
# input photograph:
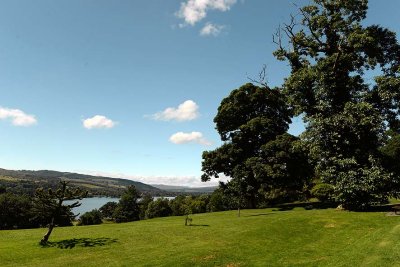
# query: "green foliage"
{"type": "Point", "coordinates": [145, 200]}
{"type": "Point", "coordinates": [391, 153]}
{"type": "Point", "coordinates": [196, 205]}
{"type": "Point", "coordinates": [108, 209]}
{"type": "Point", "coordinates": [3, 189]}
{"type": "Point", "coordinates": [219, 201]}
{"type": "Point", "coordinates": [282, 167]}
{"type": "Point", "coordinates": [128, 207]}
{"type": "Point", "coordinates": [324, 192]}
{"type": "Point", "coordinates": [91, 217]}
{"type": "Point", "coordinates": [346, 117]}
{"type": "Point", "coordinates": [185, 205]}
{"type": "Point", "coordinates": [247, 119]}
{"type": "Point", "coordinates": [178, 205]}
{"type": "Point", "coordinates": [48, 206]}
{"type": "Point", "coordinates": [15, 212]}
{"type": "Point", "coordinates": [158, 208]}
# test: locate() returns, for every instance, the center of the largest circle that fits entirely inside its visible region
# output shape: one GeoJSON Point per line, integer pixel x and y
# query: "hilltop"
{"type": "Point", "coordinates": [185, 189]}
{"type": "Point", "coordinates": [26, 181]}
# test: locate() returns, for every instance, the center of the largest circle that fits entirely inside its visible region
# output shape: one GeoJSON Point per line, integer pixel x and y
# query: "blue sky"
{"type": "Point", "coordinates": [130, 88]}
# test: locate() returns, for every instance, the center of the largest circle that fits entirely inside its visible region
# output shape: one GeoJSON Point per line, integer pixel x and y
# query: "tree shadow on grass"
{"type": "Point", "coordinates": [330, 205]}
{"type": "Point", "coordinates": [259, 214]}
{"type": "Point", "coordinates": [204, 225]}
{"type": "Point", "coordinates": [305, 205]}
{"type": "Point", "coordinates": [81, 242]}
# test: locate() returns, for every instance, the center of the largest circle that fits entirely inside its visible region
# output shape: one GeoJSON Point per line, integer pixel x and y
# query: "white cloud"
{"type": "Point", "coordinates": [98, 121]}
{"type": "Point", "coordinates": [193, 137]}
{"type": "Point", "coordinates": [186, 111]}
{"type": "Point", "coordinates": [211, 29]}
{"type": "Point", "coordinates": [193, 11]}
{"type": "Point", "coordinates": [17, 117]}
{"type": "Point", "coordinates": [191, 181]}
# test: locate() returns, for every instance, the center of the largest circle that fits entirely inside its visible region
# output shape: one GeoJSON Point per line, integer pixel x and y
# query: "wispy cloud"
{"type": "Point", "coordinates": [17, 117]}
{"type": "Point", "coordinates": [193, 11]}
{"type": "Point", "coordinates": [193, 137]}
{"type": "Point", "coordinates": [97, 122]}
{"type": "Point", "coordinates": [192, 181]}
{"type": "Point", "coordinates": [211, 29]}
{"type": "Point", "coordinates": [186, 111]}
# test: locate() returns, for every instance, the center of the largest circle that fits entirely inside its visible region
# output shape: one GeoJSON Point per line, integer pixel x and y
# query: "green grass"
{"type": "Point", "coordinates": [258, 238]}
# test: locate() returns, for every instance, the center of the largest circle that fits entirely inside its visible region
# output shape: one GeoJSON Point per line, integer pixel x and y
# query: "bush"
{"type": "Point", "coordinates": [16, 212]}
{"type": "Point", "coordinates": [220, 202]}
{"type": "Point", "coordinates": [128, 208]}
{"type": "Point", "coordinates": [178, 205]}
{"type": "Point", "coordinates": [144, 202]}
{"type": "Point", "coordinates": [158, 208]}
{"type": "Point", "coordinates": [90, 218]}
{"type": "Point", "coordinates": [108, 209]}
{"type": "Point", "coordinates": [324, 192]}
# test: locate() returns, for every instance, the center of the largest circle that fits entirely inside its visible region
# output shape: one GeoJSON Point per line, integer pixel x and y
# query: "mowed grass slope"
{"type": "Point", "coordinates": [258, 238]}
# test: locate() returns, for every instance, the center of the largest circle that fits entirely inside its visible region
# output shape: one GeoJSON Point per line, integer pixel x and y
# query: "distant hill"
{"type": "Point", "coordinates": [185, 189]}
{"type": "Point", "coordinates": [25, 181]}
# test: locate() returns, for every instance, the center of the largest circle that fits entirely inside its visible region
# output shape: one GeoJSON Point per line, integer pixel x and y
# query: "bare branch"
{"type": "Point", "coordinates": [262, 80]}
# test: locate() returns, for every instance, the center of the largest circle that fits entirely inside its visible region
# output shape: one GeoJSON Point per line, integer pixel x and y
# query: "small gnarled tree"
{"type": "Point", "coordinates": [48, 204]}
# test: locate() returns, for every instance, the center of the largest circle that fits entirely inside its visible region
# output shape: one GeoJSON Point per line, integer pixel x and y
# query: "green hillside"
{"type": "Point", "coordinates": [185, 189]}
{"type": "Point", "coordinates": [258, 238]}
{"type": "Point", "coordinates": [25, 181]}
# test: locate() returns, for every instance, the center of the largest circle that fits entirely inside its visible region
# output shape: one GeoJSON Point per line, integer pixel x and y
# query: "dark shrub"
{"type": "Point", "coordinates": [90, 218]}
{"type": "Point", "coordinates": [158, 208]}
{"type": "Point", "coordinates": [324, 192]}
{"type": "Point", "coordinates": [108, 209]}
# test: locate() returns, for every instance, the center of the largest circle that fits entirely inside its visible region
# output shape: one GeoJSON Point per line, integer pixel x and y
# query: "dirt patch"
{"type": "Point", "coordinates": [383, 244]}
{"type": "Point", "coordinates": [209, 257]}
{"type": "Point", "coordinates": [205, 258]}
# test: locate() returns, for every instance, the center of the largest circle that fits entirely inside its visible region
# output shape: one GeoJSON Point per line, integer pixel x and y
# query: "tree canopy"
{"type": "Point", "coordinates": [332, 56]}
{"type": "Point", "coordinates": [249, 122]}
{"type": "Point", "coordinates": [128, 208]}
{"type": "Point", "coordinates": [330, 53]}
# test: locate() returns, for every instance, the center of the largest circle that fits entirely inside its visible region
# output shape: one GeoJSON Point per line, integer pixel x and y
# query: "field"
{"type": "Point", "coordinates": [265, 237]}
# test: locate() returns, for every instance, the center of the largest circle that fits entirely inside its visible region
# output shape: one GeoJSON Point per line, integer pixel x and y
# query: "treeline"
{"type": "Point", "coordinates": [134, 206]}
{"type": "Point", "coordinates": [19, 212]}
{"type": "Point", "coordinates": [24, 211]}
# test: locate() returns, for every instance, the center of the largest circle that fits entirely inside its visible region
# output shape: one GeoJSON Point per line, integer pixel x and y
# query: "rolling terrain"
{"type": "Point", "coordinates": [185, 189]}
{"type": "Point", "coordinates": [26, 181]}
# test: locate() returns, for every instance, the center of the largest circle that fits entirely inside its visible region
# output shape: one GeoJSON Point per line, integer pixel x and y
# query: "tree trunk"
{"type": "Point", "coordinates": [45, 238]}
{"type": "Point", "coordinates": [239, 211]}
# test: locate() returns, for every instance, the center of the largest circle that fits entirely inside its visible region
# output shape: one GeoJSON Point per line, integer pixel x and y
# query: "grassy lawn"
{"type": "Point", "coordinates": [258, 238]}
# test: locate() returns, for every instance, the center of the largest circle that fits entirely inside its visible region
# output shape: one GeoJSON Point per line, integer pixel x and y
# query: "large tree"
{"type": "Point", "coordinates": [128, 208]}
{"type": "Point", "coordinates": [247, 119]}
{"type": "Point", "coordinates": [331, 54]}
